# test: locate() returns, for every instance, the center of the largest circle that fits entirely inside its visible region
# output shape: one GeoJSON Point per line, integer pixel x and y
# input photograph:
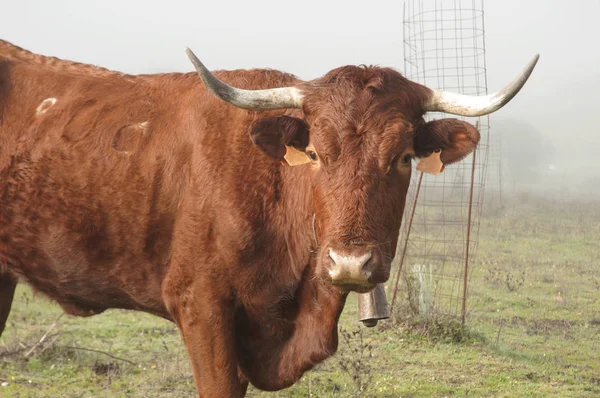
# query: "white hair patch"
{"type": "Point", "coordinates": [44, 106]}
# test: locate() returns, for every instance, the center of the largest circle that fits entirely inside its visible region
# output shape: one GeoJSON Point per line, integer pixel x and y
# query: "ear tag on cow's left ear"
{"type": "Point", "coordinates": [294, 157]}
{"type": "Point", "coordinates": [432, 164]}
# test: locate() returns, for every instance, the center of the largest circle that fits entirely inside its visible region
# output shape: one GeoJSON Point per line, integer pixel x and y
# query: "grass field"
{"type": "Point", "coordinates": [533, 330]}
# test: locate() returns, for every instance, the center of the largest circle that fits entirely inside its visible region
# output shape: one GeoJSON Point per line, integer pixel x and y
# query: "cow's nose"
{"type": "Point", "coordinates": [350, 268]}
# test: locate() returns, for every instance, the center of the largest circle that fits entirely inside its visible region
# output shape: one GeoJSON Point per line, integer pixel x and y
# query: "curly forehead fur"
{"type": "Point", "coordinates": [357, 89]}
{"type": "Point", "coordinates": [359, 107]}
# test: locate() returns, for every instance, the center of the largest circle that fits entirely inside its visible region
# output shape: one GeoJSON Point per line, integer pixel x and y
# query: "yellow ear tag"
{"type": "Point", "coordinates": [432, 164]}
{"type": "Point", "coordinates": [294, 157]}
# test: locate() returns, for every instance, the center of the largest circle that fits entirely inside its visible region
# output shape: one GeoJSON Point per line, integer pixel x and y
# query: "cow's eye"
{"type": "Point", "coordinates": [406, 159]}
{"type": "Point", "coordinates": [312, 155]}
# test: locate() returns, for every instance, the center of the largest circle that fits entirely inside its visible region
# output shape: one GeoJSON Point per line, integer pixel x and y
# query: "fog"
{"type": "Point", "coordinates": [547, 130]}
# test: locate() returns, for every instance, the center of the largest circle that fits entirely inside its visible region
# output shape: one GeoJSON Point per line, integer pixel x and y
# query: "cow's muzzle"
{"type": "Point", "coordinates": [354, 268]}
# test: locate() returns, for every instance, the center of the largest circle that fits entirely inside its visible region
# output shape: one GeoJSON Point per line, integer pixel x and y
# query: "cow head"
{"type": "Point", "coordinates": [360, 129]}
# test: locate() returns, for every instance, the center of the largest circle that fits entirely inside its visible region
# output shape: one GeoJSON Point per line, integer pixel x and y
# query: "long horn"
{"type": "Point", "coordinates": [467, 105]}
{"type": "Point", "coordinates": [254, 100]}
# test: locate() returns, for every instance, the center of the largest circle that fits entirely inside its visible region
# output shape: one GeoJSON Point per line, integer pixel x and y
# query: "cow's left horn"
{"type": "Point", "coordinates": [468, 105]}
{"type": "Point", "coordinates": [254, 100]}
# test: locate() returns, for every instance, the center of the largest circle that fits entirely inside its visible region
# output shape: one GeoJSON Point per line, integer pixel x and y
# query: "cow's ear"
{"type": "Point", "coordinates": [454, 137]}
{"type": "Point", "coordinates": [281, 137]}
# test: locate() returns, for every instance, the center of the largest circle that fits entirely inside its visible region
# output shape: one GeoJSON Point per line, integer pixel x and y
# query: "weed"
{"type": "Point", "coordinates": [548, 278]}
{"type": "Point", "coordinates": [355, 359]}
{"type": "Point", "coordinates": [497, 277]}
{"type": "Point", "coordinates": [436, 328]}
{"type": "Point", "coordinates": [106, 369]}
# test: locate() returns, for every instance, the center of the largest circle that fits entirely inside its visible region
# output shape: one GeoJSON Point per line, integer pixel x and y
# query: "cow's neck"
{"type": "Point", "coordinates": [278, 349]}
{"type": "Point", "coordinates": [296, 208]}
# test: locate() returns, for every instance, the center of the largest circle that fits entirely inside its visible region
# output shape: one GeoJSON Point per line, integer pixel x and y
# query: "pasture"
{"type": "Point", "coordinates": [533, 330]}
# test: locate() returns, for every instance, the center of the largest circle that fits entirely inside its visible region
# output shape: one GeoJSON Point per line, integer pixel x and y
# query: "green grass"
{"type": "Point", "coordinates": [539, 337]}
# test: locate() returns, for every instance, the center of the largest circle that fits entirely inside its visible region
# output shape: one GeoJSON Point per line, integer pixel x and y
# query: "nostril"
{"type": "Point", "coordinates": [366, 266]}
{"type": "Point", "coordinates": [366, 259]}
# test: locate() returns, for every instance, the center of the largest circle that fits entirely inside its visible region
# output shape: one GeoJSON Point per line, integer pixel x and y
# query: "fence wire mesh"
{"type": "Point", "coordinates": [444, 48]}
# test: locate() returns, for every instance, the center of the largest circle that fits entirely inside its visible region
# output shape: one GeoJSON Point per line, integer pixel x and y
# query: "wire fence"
{"type": "Point", "coordinates": [444, 48]}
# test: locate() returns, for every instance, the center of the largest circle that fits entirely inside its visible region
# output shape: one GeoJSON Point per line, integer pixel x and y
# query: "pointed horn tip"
{"type": "Point", "coordinates": [190, 53]}
{"type": "Point", "coordinates": [200, 68]}
{"type": "Point", "coordinates": [529, 68]}
{"type": "Point", "coordinates": [534, 60]}
{"type": "Point", "coordinates": [531, 64]}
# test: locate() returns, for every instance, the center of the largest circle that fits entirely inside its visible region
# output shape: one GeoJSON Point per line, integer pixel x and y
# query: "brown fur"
{"type": "Point", "coordinates": [147, 193]}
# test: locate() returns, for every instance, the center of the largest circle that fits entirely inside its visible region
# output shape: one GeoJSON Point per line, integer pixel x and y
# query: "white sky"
{"type": "Point", "coordinates": [310, 37]}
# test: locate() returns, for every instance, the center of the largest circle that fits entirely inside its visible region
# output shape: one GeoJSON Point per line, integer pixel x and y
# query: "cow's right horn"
{"type": "Point", "coordinates": [471, 105]}
{"type": "Point", "coordinates": [254, 100]}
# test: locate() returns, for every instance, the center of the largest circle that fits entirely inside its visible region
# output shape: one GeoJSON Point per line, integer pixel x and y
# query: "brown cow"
{"type": "Point", "coordinates": [151, 193]}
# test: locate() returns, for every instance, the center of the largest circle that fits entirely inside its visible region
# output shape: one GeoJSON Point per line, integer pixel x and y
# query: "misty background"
{"type": "Point", "coordinates": [549, 130]}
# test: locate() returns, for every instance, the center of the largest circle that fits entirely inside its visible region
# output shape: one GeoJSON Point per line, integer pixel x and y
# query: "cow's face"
{"type": "Point", "coordinates": [361, 128]}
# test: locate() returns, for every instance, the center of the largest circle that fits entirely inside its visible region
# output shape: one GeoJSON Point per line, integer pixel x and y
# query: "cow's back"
{"type": "Point", "coordinates": [92, 169]}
